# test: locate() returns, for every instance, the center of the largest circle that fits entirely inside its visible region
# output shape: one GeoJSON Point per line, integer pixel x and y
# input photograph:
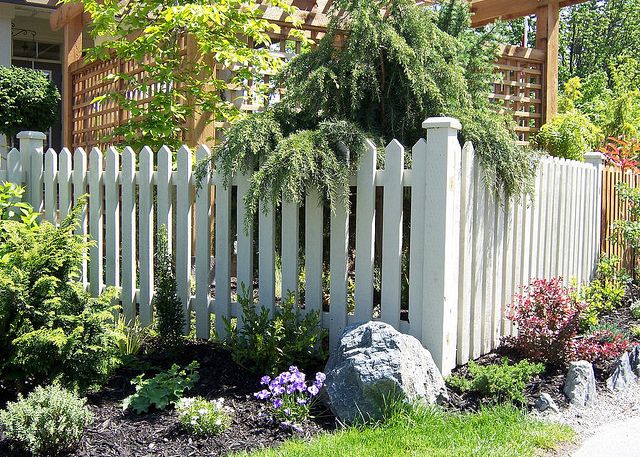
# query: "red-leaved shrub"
{"type": "Point", "coordinates": [548, 318]}
{"type": "Point", "coordinates": [600, 346]}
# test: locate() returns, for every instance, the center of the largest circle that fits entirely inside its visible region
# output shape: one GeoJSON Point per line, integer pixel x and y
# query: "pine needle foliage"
{"type": "Point", "coordinates": [170, 319]}
{"type": "Point", "coordinates": [379, 76]}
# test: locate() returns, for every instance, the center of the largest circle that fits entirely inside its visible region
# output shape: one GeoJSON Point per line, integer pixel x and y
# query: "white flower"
{"type": "Point", "coordinates": [202, 411]}
{"type": "Point", "coordinates": [218, 422]}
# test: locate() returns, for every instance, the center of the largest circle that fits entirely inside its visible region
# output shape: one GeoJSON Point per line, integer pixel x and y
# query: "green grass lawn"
{"type": "Point", "coordinates": [499, 431]}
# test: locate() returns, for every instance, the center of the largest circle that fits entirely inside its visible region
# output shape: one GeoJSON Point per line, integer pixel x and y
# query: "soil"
{"type": "Point", "coordinates": [115, 433]}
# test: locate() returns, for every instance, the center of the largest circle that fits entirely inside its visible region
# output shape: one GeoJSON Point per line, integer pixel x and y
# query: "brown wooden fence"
{"type": "Point", "coordinates": [614, 209]}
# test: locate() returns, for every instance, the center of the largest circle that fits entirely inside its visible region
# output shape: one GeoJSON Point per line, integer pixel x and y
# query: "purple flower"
{"type": "Point", "coordinates": [297, 428]}
{"type": "Point", "coordinates": [284, 377]}
{"type": "Point", "coordinates": [265, 380]}
{"type": "Point", "coordinates": [321, 377]}
{"type": "Point", "coordinates": [262, 395]}
{"type": "Point", "coordinates": [287, 412]}
{"type": "Point", "coordinates": [294, 369]}
{"type": "Point", "coordinates": [274, 384]}
{"type": "Point", "coordinates": [278, 390]}
{"type": "Point", "coordinates": [277, 403]}
{"type": "Point", "coordinates": [318, 384]}
{"type": "Point", "coordinates": [298, 377]}
{"type": "Point", "coordinates": [291, 388]}
{"type": "Point", "coordinates": [313, 390]}
{"type": "Point", "coordinates": [301, 401]}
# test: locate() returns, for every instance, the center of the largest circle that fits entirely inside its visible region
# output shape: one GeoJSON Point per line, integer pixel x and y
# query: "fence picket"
{"type": "Point", "coordinates": [96, 208]}
{"type": "Point", "coordinates": [267, 256]}
{"type": "Point", "coordinates": [112, 214]}
{"type": "Point", "coordinates": [478, 261]}
{"type": "Point", "coordinates": [50, 189]}
{"type": "Point", "coordinates": [145, 236]}
{"type": "Point", "coordinates": [392, 234]}
{"type": "Point", "coordinates": [245, 246]}
{"type": "Point", "coordinates": [64, 183]}
{"type": "Point", "coordinates": [14, 167]}
{"type": "Point", "coordinates": [79, 188]}
{"type": "Point", "coordinates": [183, 231]}
{"type": "Point", "coordinates": [488, 277]}
{"type": "Point", "coordinates": [36, 179]}
{"type": "Point", "coordinates": [338, 250]}
{"type": "Point", "coordinates": [164, 190]}
{"type": "Point", "coordinates": [313, 250]}
{"type": "Point", "coordinates": [203, 250]}
{"type": "Point", "coordinates": [129, 273]}
{"type": "Point", "coordinates": [365, 231]}
{"type": "Point", "coordinates": [223, 257]}
{"type": "Point", "coordinates": [290, 242]}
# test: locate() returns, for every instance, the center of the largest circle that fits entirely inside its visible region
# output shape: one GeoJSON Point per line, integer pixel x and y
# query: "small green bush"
{"type": "Point", "coordinates": [635, 332]}
{"type": "Point", "coordinates": [635, 310]}
{"type": "Point", "coordinates": [162, 390]}
{"type": "Point", "coordinates": [502, 382]}
{"type": "Point", "coordinates": [569, 135]}
{"type": "Point", "coordinates": [201, 417]}
{"type": "Point", "coordinates": [29, 100]}
{"type": "Point", "coordinates": [270, 343]}
{"type": "Point", "coordinates": [50, 421]}
{"type": "Point", "coordinates": [50, 327]}
{"type": "Point", "coordinates": [605, 293]}
{"type": "Point", "coordinates": [170, 321]}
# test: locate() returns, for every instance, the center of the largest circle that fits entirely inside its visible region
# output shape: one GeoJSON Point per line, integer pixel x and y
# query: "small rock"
{"type": "Point", "coordinates": [634, 360]}
{"type": "Point", "coordinates": [622, 376]}
{"type": "Point", "coordinates": [580, 385]}
{"type": "Point", "coordinates": [545, 402]}
{"type": "Point", "coordinates": [374, 365]}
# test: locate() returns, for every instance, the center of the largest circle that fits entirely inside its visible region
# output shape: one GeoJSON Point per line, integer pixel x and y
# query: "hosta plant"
{"type": "Point", "coordinates": [290, 397]}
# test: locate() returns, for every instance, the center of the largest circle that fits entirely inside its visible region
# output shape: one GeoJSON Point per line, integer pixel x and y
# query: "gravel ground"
{"type": "Point", "coordinates": [609, 407]}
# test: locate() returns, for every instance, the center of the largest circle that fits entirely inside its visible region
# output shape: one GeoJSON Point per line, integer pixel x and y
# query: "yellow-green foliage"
{"type": "Point", "coordinates": [569, 135]}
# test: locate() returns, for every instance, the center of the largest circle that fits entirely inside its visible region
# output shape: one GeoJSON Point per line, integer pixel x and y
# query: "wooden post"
{"type": "Point", "coordinates": [548, 40]}
{"type": "Point", "coordinates": [72, 54]}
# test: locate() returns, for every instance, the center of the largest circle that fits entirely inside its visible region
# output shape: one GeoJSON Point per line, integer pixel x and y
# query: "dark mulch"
{"type": "Point", "coordinates": [115, 433]}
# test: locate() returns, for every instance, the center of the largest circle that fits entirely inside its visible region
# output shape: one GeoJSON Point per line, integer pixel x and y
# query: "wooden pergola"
{"type": "Point", "coordinates": [533, 101]}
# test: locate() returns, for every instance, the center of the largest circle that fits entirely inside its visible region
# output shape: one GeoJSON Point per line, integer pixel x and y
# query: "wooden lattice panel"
{"type": "Point", "coordinates": [518, 90]}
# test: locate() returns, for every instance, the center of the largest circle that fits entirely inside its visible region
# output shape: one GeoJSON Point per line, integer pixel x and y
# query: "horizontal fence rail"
{"type": "Point", "coordinates": [447, 253]}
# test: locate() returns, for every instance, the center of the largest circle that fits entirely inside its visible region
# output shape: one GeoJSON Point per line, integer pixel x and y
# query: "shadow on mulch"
{"type": "Point", "coordinates": [115, 433]}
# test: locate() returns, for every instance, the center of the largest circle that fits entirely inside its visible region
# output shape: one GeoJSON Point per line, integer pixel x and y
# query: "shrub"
{"type": "Point", "coordinates": [11, 208]}
{"type": "Point", "coordinates": [170, 321]}
{"type": "Point", "coordinates": [548, 317]}
{"type": "Point", "coordinates": [50, 327]}
{"type": "Point", "coordinates": [502, 382]}
{"type": "Point", "coordinates": [635, 310]}
{"type": "Point", "coordinates": [29, 100]}
{"type": "Point", "coordinates": [49, 421]}
{"type": "Point", "coordinates": [635, 332]}
{"type": "Point", "coordinates": [290, 397]}
{"type": "Point", "coordinates": [162, 390]}
{"type": "Point", "coordinates": [269, 342]}
{"type": "Point", "coordinates": [601, 345]}
{"type": "Point", "coordinates": [201, 417]}
{"type": "Point", "coordinates": [569, 135]}
{"type": "Point", "coordinates": [605, 293]}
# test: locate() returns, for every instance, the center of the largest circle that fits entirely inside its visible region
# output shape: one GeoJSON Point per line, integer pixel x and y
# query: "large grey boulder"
{"type": "Point", "coordinates": [580, 385]}
{"type": "Point", "coordinates": [634, 360]}
{"type": "Point", "coordinates": [375, 365]}
{"type": "Point", "coordinates": [622, 376]}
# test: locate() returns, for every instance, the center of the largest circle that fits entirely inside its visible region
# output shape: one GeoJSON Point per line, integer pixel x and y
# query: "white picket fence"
{"type": "Point", "coordinates": [468, 253]}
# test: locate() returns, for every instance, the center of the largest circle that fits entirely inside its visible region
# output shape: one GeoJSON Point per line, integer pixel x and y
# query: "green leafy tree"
{"type": "Point", "coordinates": [181, 85]}
{"type": "Point", "coordinates": [29, 100]}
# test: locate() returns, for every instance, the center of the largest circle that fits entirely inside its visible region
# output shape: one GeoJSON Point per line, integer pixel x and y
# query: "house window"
{"type": "Point", "coordinates": [34, 50]}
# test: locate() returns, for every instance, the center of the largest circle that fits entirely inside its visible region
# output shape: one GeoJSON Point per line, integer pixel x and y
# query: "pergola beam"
{"type": "Point", "coordinates": [488, 11]}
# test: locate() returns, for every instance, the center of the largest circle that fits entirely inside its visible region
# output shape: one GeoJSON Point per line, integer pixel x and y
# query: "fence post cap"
{"type": "Point", "coordinates": [31, 135]}
{"type": "Point", "coordinates": [442, 123]}
{"type": "Point", "coordinates": [594, 157]}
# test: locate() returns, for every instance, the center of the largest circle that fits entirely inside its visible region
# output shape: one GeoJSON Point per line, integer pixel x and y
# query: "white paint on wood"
{"type": "Point", "coordinates": [266, 256]}
{"type": "Point", "coordinates": [129, 235]}
{"type": "Point", "coordinates": [203, 250]}
{"type": "Point", "coordinates": [96, 195]}
{"type": "Point", "coordinates": [416, 240]}
{"type": "Point", "coordinates": [14, 167]}
{"type": "Point", "coordinates": [146, 235]}
{"type": "Point", "coordinates": [313, 251]}
{"type": "Point", "coordinates": [112, 214]}
{"type": "Point", "coordinates": [79, 190]}
{"type": "Point", "coordinates": [365, 231]}
{"type": "Point", "coordinates": [64, 183]}
{"type": "Point", "coordinates": [245, 246]}
{"type": "Point", "coordinates": [164, 190]}
{"type": "Point", "coordinates": [338, 251]}
{"type": "Point", "coordinates": [290, 243]}
{"type": "Point", "coordinates": [184, 200]}
{"type": "Point", "coordinates": [50, 188]}
{"type": "Point", "coordinates": [392, 234]}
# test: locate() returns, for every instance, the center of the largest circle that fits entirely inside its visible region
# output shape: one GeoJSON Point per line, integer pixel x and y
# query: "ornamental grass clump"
{"type": "Point", "coordinates": [201, 417]}
{"type": "Point", "coordinates": [290, 397]}
{"type": "Point", "coordinates": [50, 421]}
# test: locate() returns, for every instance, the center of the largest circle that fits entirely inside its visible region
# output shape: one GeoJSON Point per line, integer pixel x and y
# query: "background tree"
{"type": "Point", "coordinates": [181, 85]}
{"type": "Point", "coordinates": [29, 100]}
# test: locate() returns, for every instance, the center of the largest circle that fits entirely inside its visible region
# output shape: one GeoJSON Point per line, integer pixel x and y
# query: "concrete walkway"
{"type": "Point", "coordinates": [617, 439]}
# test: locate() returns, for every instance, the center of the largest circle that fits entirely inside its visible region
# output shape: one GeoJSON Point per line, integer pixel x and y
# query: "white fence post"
{"type": "Point", "coordinates": [441, 241]}
{"type": "Point", "coordinates": [596, 159]}
{"type": "Point", "coordinates": [32, 145]}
